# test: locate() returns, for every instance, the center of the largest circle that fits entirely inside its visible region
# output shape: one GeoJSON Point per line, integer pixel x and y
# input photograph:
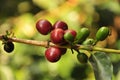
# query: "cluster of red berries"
{"type": "Point", "coordinates": [59, 34]}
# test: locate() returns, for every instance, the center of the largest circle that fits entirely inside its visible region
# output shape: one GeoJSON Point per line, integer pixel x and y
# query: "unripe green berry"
{"type": "Point", "coordinates": [82, 34]}
{"type": "Point", "coordinates": [82, 58]}
{"type": "Point", "coordinates": [88, 41]}
{"type": "Point", "coordinates": [70, 35]}
{"type": "Point", "coordinates": [102, 33]}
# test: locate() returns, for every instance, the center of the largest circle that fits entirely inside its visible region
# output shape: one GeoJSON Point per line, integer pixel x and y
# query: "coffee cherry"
{"type": "Point", "coordinates": [43, 26]}
{"type": "Point", "coordinates": [88, 41]}
{"type": "Point", "coordinates": [102, 33]}
{"type": "Point", "coordinates": [60, 24]}
{"type": "Point", "coordinates": [73, 32]}
{"type": "Point", "coordinates": [8, 47]}
{"type": "Point", "coordinates": [57, 36]}
{"type": "Point", "coordinates": [82, 58]}
{"type": "Point", "coordinates": [63, 50]}
{"type": "Point", "coordinates": [82, 34]}
{"type": "Point", "coordinates": [70, 35]}
{"type": "Point", "coordinates": [53, 54]}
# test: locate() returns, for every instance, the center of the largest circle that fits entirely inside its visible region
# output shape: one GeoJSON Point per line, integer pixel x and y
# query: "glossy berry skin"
{"type": "Point", "coordinates": [82, 34]}
{"type": "Point", "coordinates": [102, 33]}
{"type": "Point", "coordinates": [53, 54]}
{"type": "Point", "coordinates": [57, 36]}
{"type": "Point", "coordinates": [70, 35]}
{"type": "Point", "coordinates": [43, 26]}
{"type": "Point", "coordinates": [9, 47]}
{"type": "Point", "coordinates": [60, 24]}
{"type": "Point", "coordinates": [73, 32]}
{"type": "Point", "coordinates": [82, 58]}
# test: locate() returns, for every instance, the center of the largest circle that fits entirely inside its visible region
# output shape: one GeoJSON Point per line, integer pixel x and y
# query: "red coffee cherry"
{"type": "Point", "coordinates": [53, 54]}
{"type": "Point", "coordinates": [43, 26]}
{"type": "Point", "coordinates": [56, 36]}
{"type": "Point", "coordinates": [60, 24]}
{"type": "Point", "coordinates": [63, 50]}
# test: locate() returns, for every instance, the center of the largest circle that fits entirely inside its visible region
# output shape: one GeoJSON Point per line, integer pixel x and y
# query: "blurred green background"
{"type": "Point", "coordinates": [27, 62]}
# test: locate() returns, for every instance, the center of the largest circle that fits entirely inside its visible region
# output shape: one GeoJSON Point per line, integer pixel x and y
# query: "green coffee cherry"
{"type": "Point", "coordinates": [9, 47]}
{"type": "Point", "coordinates": [88, 41]}
{"type": "Point", "coordinates": [82, 34]}
{"type": "Point", "coordinates": [70, 35]}
{"type": "Point", "coordinates": [102, 33]}
{"type": "Point", "coordinates": [82, 58]}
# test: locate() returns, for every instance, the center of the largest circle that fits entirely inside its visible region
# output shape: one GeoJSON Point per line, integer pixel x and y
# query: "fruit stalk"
{"type": "Point", "coordinates": [45, 44]}
{"type": "Point", "coordinates": [94, 48]}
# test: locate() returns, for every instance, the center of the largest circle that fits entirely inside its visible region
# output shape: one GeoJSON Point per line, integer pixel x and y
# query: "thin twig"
{"type": "Point", "coordinates": [45, 44]}
{"type": "Point", "coordinates": [94, 48]}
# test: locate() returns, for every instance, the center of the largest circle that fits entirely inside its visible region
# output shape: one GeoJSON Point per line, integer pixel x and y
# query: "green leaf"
{"type": "Point", "coordinates": [102, 66]}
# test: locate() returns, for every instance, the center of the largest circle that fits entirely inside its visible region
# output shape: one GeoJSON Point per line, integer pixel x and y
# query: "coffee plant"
{"type": "Point", "coordinates": [63, 38]}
